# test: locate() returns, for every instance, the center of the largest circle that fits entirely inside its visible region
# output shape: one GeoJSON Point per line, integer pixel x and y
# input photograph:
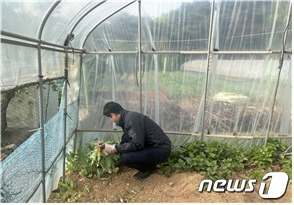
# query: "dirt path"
{"type": "Point", "coordinates": [181, 187]}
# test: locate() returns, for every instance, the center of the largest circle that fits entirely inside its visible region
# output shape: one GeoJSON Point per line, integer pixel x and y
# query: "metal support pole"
{"type": "Point", "coordinates": [279, 75]}
{"type": "Point", "coordinates": [186, 134]}
{"type": "Point", "coordinates": [208, 65]}
{"type": "Point", "coordinates": [48, 169]}
{"type": "Point", "coordinates": [65, 110]}
{"type": "Point", "coordinates": [111, 52]}
{"type": "Point", "coordinates": [79, 99]}
{"type": "Point", "coordinates": [189, 52]}
{"type": "Point", "coordinates": [139, 54]}
{"type": "Point", "coordinates": [29, 45]}
{"type": "Point", "coordinates": [41, 116]}
{"type": "Point", "coordinates": [35, 40]}
{"type": "Point", "coordinates": [42, 25]}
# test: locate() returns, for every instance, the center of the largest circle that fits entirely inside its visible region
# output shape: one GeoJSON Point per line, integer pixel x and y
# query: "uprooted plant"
{"type": "Point", "coordinates": [93, 161]}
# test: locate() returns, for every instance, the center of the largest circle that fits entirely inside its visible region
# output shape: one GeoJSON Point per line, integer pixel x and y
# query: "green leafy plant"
{"type": "Point", "coordinates": [67, 185]}
{"type": "Point", "coordinates": [213, 160]}
{"type": "Point", "coordinates": [268, 158]}
{"type": "Point", "coordinates": [264, 156]}
{"type": "Point", "coordinates": [93, 161]}
{"type": "Point", "coordinates": [76, 161]}
{"type": "Point", "coordinates": [218, 160]}
{"type": "Point", "coordinates": [67, 193]}
{"type": "Point", "coordinates": [286, 162]}
{"type": "Point", "coordinates": [57, 87]}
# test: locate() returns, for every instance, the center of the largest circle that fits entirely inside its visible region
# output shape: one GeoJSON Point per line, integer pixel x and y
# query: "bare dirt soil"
{"type": "Point", "coordinates": [182, 187]}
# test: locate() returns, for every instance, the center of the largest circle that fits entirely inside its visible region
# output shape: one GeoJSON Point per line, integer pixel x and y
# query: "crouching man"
{"type": "Point", "coordinates": [143, 144]}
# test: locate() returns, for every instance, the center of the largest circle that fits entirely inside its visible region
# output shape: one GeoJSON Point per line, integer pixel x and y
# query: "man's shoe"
{"type": "Point", "coordinates": [143, 175]}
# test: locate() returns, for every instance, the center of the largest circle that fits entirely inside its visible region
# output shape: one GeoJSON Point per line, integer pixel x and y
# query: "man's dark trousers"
{"type": "Point", "coordinates": [144, 159]}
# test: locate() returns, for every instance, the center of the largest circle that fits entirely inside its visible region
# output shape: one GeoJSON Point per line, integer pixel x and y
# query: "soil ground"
{"type": "Point", "coordinates": [179, 187]}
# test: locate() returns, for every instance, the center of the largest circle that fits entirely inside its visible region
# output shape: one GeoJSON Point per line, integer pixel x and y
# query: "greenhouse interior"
{"type": "Point", "coordinates": [205, 70]}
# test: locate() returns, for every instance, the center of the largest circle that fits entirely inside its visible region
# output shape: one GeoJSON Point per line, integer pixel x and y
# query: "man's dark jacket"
{"type": "Point", "coordinates": [139, 132]}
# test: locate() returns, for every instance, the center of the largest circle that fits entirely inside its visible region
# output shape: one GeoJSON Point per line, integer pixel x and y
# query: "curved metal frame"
{"type": "Point", "coordinates": [41, 115]}
{"type": "Point", "coordinates": [93, 28]}
{"type": "Point", "coordinates": [45, 18]}
{"type": "Point", "coordinates": [84, 15]}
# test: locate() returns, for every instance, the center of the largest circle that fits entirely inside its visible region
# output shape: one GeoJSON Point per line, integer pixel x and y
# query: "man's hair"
{"type": "Point", "coordinates": [112, 107]}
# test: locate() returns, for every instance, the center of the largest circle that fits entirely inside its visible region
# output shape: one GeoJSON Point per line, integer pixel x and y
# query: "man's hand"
{"type": "Point", "coordinates": [109, 148]}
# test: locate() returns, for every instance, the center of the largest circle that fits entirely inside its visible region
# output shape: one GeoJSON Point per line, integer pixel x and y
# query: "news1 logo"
{"type": "Point", "coordinates": [277, 186]}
